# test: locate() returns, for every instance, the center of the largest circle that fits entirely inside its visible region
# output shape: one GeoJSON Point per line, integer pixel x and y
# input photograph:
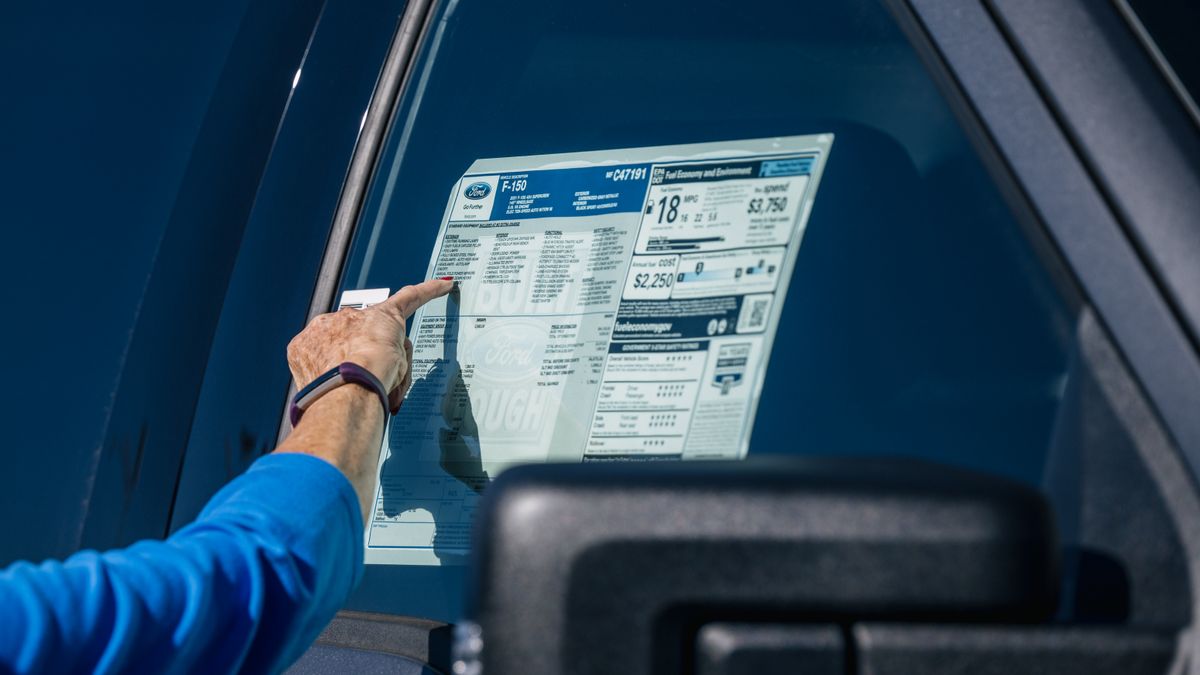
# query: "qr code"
{"type": "Point", "coordinates": [758, 313]}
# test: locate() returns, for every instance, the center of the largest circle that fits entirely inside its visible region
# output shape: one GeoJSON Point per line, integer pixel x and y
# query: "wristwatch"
{"type": "Point", "coordinates": [346, 373]}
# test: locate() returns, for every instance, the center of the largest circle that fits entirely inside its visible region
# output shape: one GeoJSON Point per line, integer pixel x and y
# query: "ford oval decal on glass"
{"type": "Point", "coordinates": [477, 191]}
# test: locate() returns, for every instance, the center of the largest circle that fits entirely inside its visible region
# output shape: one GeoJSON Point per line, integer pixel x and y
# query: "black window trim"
{"type": "Point", "coordinates": [1104, 242]}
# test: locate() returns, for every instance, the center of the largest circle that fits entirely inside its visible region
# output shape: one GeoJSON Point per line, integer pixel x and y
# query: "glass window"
{"type": "Point", "coordinates": [917, 321]}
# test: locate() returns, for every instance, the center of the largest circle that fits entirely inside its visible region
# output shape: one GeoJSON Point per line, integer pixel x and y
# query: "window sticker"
{"type": "Point", "coordinates": [609, 306]}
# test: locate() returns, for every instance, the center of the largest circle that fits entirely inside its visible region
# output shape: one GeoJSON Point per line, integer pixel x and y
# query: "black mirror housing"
{"type": "Point", "coordinates": [614, 567]}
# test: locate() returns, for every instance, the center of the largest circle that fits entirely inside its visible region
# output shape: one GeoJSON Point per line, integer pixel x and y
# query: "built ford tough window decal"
{"type": "Point", "coordinates": [615, 305]}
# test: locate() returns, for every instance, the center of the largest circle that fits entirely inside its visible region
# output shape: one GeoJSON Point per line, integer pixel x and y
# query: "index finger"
{"type": "Point", "coordinates": [410, 298]}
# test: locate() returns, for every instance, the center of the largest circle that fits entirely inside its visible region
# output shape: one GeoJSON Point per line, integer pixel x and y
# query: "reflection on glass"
{"type": "Point", "coordinates": [435, 498]}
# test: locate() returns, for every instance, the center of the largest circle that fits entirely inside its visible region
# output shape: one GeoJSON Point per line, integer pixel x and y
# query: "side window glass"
{"type": "Point", "coordinates": [868, 291]}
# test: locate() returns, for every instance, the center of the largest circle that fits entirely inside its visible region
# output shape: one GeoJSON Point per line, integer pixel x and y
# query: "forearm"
{"type": "Point", "coordinates": [245, 588]}
{"type": "Point", "coordinates": [344, 428]}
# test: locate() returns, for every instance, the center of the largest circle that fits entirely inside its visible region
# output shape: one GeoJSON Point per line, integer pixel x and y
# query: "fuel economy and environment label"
{"type": "Point", "coordinates": [610, 306]}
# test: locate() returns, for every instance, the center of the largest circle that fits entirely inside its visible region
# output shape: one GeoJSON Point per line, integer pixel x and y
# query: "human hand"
{"type": "Point", "coordinates": [372, 337]}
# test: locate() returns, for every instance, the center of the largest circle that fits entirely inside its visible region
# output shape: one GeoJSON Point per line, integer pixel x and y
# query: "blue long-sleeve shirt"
{"type": "Point", "coordinates": [245, 588]}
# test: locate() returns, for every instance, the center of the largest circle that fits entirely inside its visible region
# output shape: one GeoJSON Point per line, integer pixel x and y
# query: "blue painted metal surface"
{"type": "Point", "coordinates": [238, 413]}
{"type": "Point", "coordinates": [135, 134]}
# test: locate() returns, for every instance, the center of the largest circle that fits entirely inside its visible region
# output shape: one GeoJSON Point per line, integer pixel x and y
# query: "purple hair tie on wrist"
{"type": "Point", "coordinates": [346, 373]}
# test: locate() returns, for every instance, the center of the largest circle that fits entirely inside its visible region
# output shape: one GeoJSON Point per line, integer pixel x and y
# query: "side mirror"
{"type": "Point", "coordinates": [616, 568]}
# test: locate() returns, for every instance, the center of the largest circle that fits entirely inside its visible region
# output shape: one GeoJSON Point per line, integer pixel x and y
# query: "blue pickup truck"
{"type": "Point", "coordinates": [995, 310]}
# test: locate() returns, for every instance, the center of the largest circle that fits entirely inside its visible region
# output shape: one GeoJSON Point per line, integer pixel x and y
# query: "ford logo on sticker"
{"type": "Point", "coordinates": [508, 354]}
{"type": "Point", "coordinates": [477, 190]}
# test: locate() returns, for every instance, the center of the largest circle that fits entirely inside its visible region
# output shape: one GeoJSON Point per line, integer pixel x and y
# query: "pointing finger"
{"type": "Point", "coordinates": [410, 298]}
